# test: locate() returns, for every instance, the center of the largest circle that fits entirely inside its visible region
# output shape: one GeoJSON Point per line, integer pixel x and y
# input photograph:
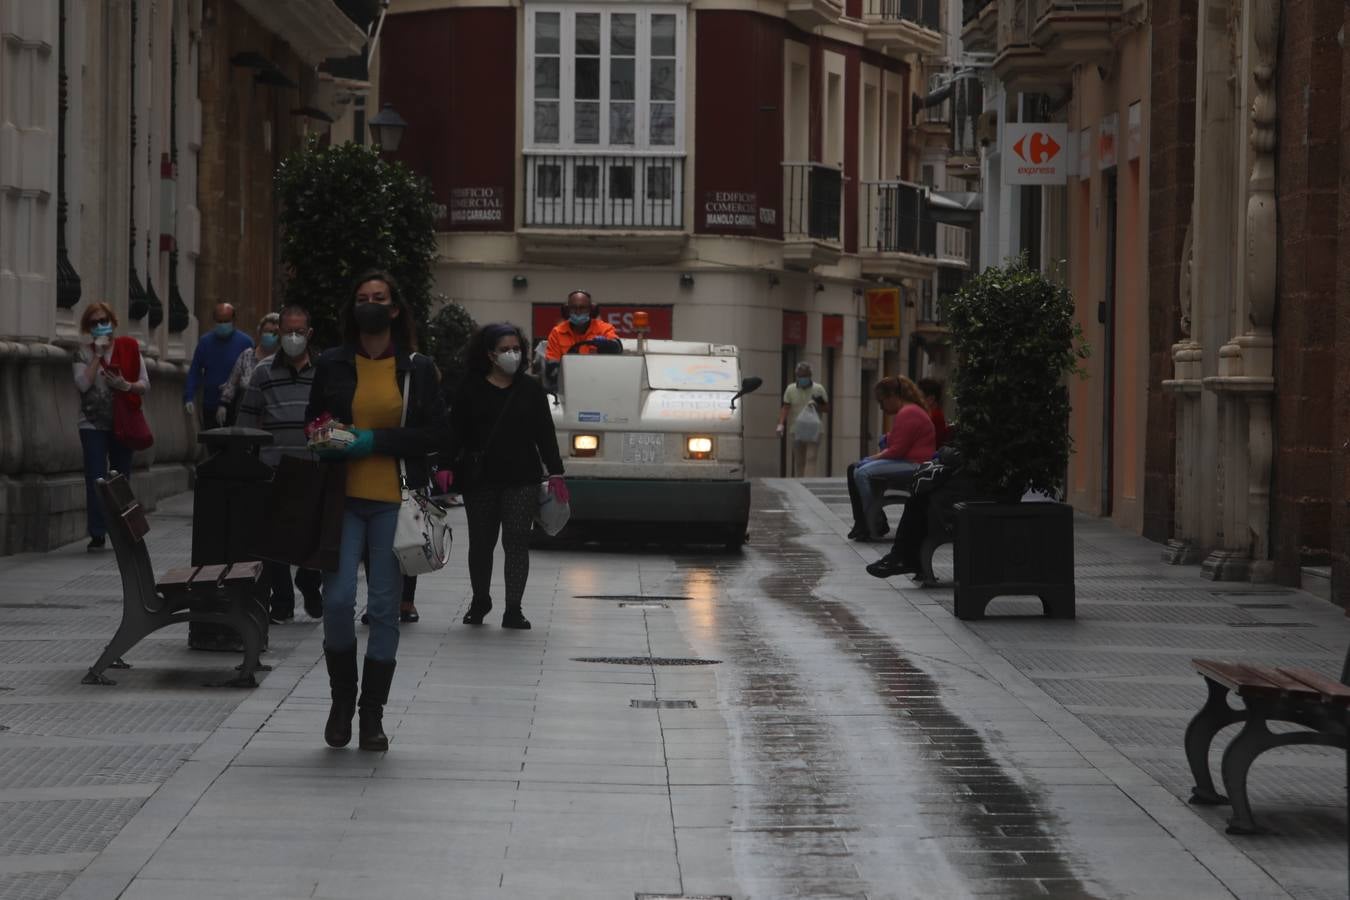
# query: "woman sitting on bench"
{"type": "Point", "coordinates": [911, 441]}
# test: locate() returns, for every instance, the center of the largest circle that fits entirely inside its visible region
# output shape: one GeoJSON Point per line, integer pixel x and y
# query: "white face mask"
{"type": "Point", "coordinates": [508, 361]}
{"type": "Point", "coordinates": [294, 344]}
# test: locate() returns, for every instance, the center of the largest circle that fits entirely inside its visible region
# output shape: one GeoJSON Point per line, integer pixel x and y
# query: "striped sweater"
{"type": "Point", "coordinates": [275, 401]}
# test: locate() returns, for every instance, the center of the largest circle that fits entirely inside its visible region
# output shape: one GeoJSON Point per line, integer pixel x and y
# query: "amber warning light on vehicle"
{"type": "Point", "coordinates": [641, 322]}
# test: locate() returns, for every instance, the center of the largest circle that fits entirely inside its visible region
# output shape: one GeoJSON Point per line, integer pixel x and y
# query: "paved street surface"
{"type": "Point", "coordinates": [824, 735]}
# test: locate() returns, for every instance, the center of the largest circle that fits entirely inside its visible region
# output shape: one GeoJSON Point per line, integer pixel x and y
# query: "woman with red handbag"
{"type": "Point", "coordinates": [111, 377]}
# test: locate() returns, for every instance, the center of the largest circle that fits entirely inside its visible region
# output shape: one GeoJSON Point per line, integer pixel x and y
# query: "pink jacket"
{"type": "Point", "coordinates": [912, 436]}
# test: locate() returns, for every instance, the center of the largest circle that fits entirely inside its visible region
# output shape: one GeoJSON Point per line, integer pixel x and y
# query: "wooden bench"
{"type": "Point", "coordinates": [1295, 695]}
{"type": "Point", "coordinates": [233, 596]}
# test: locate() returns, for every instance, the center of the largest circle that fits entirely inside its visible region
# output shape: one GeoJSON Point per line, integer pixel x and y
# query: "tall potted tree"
{"type": "Point", "coordinates": [1016, 343]}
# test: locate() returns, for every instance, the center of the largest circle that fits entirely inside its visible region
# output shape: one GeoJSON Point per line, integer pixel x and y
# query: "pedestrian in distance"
{"type": "Point", "coordinates": [275, 401]}
{"type": "Point", "coordinates": [211, 365]}
{"type": "Point", "coordinates": [269, 328]}
{"type": "Point", "coordinates": [361, 384]}
{"type": "Point", "coordinates": [104, 365]}
{"type": "Point", "coordinates": [503, 441]}
{"type": "Point", "coordinates": [909, 443]}
{"type": "Point", "coordinates": [932, 401]}
{"type": "Point", "coordinates": [804, 402]}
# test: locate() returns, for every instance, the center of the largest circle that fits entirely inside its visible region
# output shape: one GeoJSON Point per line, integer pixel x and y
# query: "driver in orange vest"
{"type": "Point", "coordinates": [581, 325]}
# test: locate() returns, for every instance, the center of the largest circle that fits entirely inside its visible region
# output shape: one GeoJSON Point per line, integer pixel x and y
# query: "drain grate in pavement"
{"type": "Point", "coordinates": [644, 605]}
{"type": "Point", "coordinates": [1274, 593]}
{"type": "Point", "coordinates": [631, 598]}
{"type": "Point", "coordinates": [41, 606]}
{"type": "Point", "coordinates": [641, 896]}
{"type": "Point", "coordinates": [1263, 605]}
{"type": "Point", "coordinates": [662, 704]}
{"type": "Point", "coordinates": [646, 661]}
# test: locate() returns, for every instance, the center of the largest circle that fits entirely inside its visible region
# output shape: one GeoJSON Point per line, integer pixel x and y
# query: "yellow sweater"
{"type": "Point", "coordinates": [376, 404]}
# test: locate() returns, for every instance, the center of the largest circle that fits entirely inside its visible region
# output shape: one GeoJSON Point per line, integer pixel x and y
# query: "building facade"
{"type": "Point", "coordinates": [742, 174]}
{"type": "Point", "coordinates": [110, 190]}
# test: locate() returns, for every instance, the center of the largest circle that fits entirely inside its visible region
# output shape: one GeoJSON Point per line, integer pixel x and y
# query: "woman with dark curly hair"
{"type": "Point", "coordinates": [361, 384]}
{"type": "Point", "coordinates": [503, 440]}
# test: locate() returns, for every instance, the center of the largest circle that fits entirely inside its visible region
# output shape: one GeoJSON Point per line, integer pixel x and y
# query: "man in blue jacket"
{"type": "Point", "coordinates": [211, 364]}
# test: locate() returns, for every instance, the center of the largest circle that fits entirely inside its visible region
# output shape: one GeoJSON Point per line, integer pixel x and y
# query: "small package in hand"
{"type": "Point", "coordinates": [325, 433]}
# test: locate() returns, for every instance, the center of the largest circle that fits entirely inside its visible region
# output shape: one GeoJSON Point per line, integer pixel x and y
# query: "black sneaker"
{"type": "Point", "coordinates": [282, 618]}
{"type": "Point", "coordinates": [314, 604]}
{"type": "Point", "coordinates": [96, 544]}
{"type": "Point", "coordinates": [514, 618]}
{"type": "Point", "coordinates": [888, 566]}
{"type": "Point", "coordinates": [478, 609]}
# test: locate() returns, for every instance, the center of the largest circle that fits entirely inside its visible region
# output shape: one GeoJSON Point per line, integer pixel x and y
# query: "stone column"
{"type": "Point", "coordinates": [1188, 356]}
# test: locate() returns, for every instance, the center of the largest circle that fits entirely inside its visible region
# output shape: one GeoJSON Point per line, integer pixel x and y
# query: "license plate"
{"type": "Point", "coordinates": [644, 449]}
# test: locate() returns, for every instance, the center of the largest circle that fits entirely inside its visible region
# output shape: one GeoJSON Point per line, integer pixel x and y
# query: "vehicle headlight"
{"type": "Point", "coordinates": [585, 444]}
{"type": "Point", "coordinates": [699, 447]}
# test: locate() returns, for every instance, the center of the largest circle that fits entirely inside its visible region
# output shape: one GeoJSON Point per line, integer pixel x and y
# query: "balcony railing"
{"type": "Point", "coordinates": [896, 219]}
{"type": "Point", "coordinates": [953, 243]}
{"type": "Point", "coordinates": [811, 195]}
{"type": "Point", "coordinates": [970, 9]}
{"type": "Point", "coordinates": [927, 13]}
{"type": "Point", "coordinates": [604, 191]}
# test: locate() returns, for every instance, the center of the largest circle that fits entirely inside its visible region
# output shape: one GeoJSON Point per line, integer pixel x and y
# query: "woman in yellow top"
{"type": "Point", "coordinates": [360, 384]}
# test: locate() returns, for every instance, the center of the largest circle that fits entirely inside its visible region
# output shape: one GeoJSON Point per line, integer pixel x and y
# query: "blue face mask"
{"type": "Point", "coordinates": [268, 341]}
{"type": "Point", "coordinates": [224, 329]}
{"type": "Point", "coordinates": [803, 383]}
{"type": "Point", "coordinates": [579, 320]}
{"type": "Point", "coordinates": [101, 330]}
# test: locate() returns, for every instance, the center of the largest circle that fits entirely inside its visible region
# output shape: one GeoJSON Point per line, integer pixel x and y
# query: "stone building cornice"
{"type": "Point", "coordinates": [315, 29]}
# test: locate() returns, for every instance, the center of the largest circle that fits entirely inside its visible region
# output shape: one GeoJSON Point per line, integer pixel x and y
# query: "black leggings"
{"type": "Point", "coordinates": [510, 509]}
{"type": "Point", "coordinates": [913, 528]}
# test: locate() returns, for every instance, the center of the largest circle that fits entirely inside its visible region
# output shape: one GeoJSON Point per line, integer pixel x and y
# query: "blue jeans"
{"type": "Point", "coordinates": [862, 485]}
{"type": "Point", "coordinates": [367, 531]}
{"type": "Point", "coordinates": [101, 452]}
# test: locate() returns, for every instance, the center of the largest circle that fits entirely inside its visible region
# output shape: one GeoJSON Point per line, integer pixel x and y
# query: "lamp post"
{"type": "Point", "coordinates": [387, 127]}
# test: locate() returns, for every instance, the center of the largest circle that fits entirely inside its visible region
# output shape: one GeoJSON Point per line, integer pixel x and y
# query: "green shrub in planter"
{"type": "Point", "coordinates": [448, 335]}
{"type": "Point", "coordinates": [1015, 342]}
{"type": "Point", "coordinates": [344, 210]}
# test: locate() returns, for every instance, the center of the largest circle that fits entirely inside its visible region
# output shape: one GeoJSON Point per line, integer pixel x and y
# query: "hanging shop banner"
{"type": "Point", "coordinates": [832, 331]}
{"type": "Point", "coordinates": [1035, 153]}
{"type": "Point", "coordinates": [883, 312]}
{"type": "Point", "coordinates": [794, 329]}
{"type": "Point", "coordinates": [1134, 132]}
{"type": "Point", "coordinates": [1106, 142]}
{"type": "Point", "coordinates": [660, 319]}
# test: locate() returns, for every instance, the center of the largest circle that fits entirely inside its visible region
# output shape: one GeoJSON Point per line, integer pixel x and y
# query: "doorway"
{"type": "Point", "coordinates": [1107, 315]}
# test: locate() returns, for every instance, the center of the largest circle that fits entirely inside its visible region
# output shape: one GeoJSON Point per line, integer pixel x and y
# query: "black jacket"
{"type": "Point", "coordinates": [428, 427]}
{"type": "Point", "coordinates": [525, 442]}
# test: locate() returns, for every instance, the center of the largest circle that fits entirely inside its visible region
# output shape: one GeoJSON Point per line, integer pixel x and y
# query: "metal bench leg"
{"type": "Point", "coordinates": [1212, 718]}
{"type": "Point", "coordinates": [1253, 740]}
{"type": "Point", "coordinates": [128, 635]}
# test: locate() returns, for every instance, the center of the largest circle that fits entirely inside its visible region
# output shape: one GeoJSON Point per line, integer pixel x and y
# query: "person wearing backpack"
{"type": "Point", "coordinates": [804, 402]}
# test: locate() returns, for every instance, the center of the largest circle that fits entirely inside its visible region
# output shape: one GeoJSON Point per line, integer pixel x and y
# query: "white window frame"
{"type": "Point", "coordinates": [642, 88]}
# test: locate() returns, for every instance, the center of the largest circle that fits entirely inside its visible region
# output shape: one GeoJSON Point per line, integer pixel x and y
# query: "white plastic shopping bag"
{"type": "Point", "coordinates": [807, 427]}
{"type": "Point", "coordinates": [553, 514]}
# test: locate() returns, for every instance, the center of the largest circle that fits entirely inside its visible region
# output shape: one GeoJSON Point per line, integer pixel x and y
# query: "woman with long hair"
{"type": "Point", "coordinates": [233, 390]}
{"type": "Point", "coordinates": [504, 440]}
{"type": "Point", "coordinates": [361, 384]}
{"type": "Point", "coordinates": [104, 365]}
{"type": "Point", "coordinates": [910, 442]}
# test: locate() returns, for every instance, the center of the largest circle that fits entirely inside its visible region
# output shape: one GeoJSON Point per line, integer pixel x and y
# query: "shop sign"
{"type": "Point", "coordinates": [832, 331]}
{"type": "Point", "coordinates": [1134, 134]}
{"type": "Point", "coordinates": [883, 312]}
{"type": "Point", "coordinates": [1085, 154]}
{"type": "Point", "coordinates": [476, 206]}
{"type": "Point", "coordinates": [660, 322]}
{"type": "Point", "coordinates": [794, 329]}
{"type": "Point", "coordinates": [1034, 153]}
{"type": "Point", "coordinates": [730, 209]}
{"type": "Point", "coordinates": [1106, 142]}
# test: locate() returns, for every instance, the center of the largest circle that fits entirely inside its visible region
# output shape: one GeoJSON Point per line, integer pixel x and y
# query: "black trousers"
{"type": "Point", "coordinates": [913, 528]}
{"type": "Point", "coordinates": [283, 594]}
{"type": "Point", "coordinates": [507, 509]}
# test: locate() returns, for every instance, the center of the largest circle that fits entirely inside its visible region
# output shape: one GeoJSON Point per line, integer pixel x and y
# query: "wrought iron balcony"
{"type": "Point", "coordinates": [926, 13]}
{"type": "Point", "coordinates": [604, 191]}
{"type": "Point", "coordinates": [1037, 42]}
{"type": "Point", "coordinates": [811, 201]}
{"type": "Point", "coordinates": [896, 220]}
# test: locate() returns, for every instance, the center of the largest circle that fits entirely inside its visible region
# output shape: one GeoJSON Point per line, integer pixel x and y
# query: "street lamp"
{"type": "Point", "coordinates": [386, 127]}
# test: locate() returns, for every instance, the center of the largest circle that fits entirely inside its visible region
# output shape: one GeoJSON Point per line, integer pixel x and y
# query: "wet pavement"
{"type": "Point", "coordinates": [678, 724]}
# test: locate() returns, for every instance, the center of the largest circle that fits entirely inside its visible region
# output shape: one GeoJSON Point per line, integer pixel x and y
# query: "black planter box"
{"type": "Point", "coordinates": [1013, 548]}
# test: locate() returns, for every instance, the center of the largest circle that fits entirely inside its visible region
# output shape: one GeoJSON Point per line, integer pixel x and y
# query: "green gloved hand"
{"type": "Point", "coordinates": [363, 446]}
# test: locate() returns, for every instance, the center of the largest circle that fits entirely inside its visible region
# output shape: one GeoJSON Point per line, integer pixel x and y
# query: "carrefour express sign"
{"type": "Point", "coordinates": [1035, 153]}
